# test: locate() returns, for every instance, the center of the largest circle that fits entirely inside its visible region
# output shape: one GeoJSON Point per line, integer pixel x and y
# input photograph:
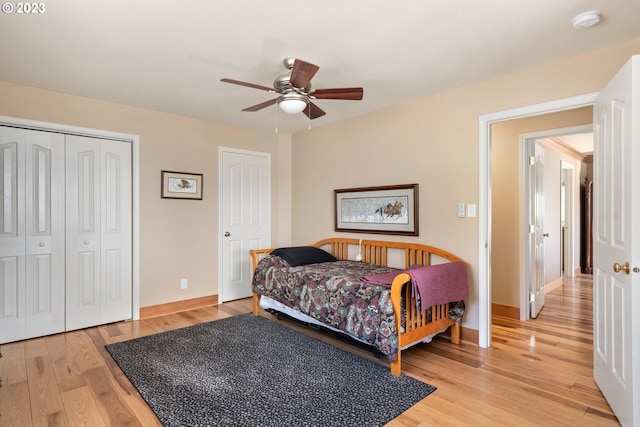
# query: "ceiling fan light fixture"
{"type": "Point", "coordinates": [292, 103]}
{"type": "Point", "coordinates": [586, 19]}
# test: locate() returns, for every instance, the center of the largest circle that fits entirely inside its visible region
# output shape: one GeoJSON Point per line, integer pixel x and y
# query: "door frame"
{"type": "Point", "coordinates": [484, 195]}
{"type": "Point", "coordinates": [525, 200]}
{"type": "Point", "coordinates": [135, 184]}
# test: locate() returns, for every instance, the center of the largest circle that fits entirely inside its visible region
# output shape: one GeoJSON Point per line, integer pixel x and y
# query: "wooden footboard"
{"type": "Point", "coordinates": [417, 325]}
{"type": "Point", "coordinates": [392, 254]}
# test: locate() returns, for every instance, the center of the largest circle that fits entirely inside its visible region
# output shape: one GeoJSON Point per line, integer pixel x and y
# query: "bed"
{"type": "Point", "coordinates": [362, 288]}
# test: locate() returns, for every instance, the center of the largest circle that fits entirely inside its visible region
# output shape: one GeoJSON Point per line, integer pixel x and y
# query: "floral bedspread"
{"type": "Point", "coordinates": [332, 293]}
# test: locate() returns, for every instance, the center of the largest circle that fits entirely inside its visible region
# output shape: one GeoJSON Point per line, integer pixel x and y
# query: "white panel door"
{"type": "Point", "coordinates": [537, 192]}
{"type": "Point", "coordinates": [245, 206]}
{"type": "Point", "coordinates": [616, 243]}
{"type": "Point", "coordinates": [98, 234]}
{"type": "Point", "coordinates": [32, 277]}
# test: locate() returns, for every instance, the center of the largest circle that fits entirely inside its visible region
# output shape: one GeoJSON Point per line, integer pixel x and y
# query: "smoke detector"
{"type": "Point", "coordinates": [586, 19]}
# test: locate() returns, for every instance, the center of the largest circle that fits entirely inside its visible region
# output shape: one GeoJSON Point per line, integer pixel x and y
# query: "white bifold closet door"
{"type": "Point", "coordinates": [65, 232]}
{"type": "Point", "coordinates": [98, 231]}
{"type": "Point", "coordinates": [32, 241]}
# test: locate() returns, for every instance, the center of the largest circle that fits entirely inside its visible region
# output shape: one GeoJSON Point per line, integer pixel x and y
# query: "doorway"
{"type": "Point", "coordinates": [526, 226]}
{"type": "Point", "coordinates": [485, 243]}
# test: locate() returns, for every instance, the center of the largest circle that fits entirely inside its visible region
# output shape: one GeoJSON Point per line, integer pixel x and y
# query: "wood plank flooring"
{"type": "Point", "coordinates": [536, 373]}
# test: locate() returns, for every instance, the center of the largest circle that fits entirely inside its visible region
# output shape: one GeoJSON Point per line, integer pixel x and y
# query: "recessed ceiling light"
{"type": "Point", "coordinates": [586, 19]}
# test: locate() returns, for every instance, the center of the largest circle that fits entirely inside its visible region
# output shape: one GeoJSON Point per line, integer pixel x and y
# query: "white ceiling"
{"type": "Point", "coordinates": [579, 143]}
{"type": "Point", "coordinates": [170, 55]}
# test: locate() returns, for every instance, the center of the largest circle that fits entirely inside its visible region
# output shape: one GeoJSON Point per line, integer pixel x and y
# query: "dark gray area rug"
{"type": "Point", "coordinates": [252, 371]}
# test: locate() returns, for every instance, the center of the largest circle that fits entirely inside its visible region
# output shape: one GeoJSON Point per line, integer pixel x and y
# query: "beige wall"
{"type": "Point", "coordinates": [506, 162]}
{"type": "Point", "coordinates": [178, 238]}
{"type": "Point", "coordinates": [432, 141]}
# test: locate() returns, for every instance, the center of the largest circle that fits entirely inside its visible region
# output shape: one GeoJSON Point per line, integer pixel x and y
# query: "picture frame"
{"type": "Point", "coordinates": [181, 185]}
{"type": "Point", "coordinates": [391, 209]}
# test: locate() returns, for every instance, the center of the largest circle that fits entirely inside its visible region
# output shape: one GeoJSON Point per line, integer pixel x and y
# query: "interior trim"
{"type": "Point", "coordinates": [177, 306]}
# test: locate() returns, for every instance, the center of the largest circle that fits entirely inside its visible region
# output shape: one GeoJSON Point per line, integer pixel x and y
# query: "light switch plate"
{"type": "Point", "coordinates": [460, 210]}
{"type": "Point", "coordinates": [471, 210]}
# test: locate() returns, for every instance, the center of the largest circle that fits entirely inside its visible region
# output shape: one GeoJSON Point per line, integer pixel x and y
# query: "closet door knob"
{"type": "Point", "coordinates": [86, 242]}
{"type": "Point", "coordinates": [41, 244]}
{"type": "Point", "coordinates": [227, 234]}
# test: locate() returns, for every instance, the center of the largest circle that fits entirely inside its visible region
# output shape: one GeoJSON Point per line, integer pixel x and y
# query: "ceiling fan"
{"type": "Point", "coordinates": [295, 90]}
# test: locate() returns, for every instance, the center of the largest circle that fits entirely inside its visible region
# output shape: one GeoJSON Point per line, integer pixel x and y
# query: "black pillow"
{"type": "Point", "coordinates": [303, 255]}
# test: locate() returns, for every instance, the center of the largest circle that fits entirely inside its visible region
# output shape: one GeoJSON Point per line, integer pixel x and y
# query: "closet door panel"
{"type": "Point", "coordinates": [83, 231]}
{"type": "Point", "coordinates": [99, 256]}
{"type": "Point", "coordinates": [45, 245]}
{"type": "Point", "coordinates": [31, 234]}
{"type": "Point", "coordinates": [12, 235]}
{"type": "Point", "coordinates": [116, 229]}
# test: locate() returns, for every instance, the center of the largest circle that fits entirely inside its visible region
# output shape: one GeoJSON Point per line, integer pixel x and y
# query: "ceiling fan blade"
{"type": "Point", "coordinates": [255, 86]}
{"type": "Point", "coordinates": [313, 111]}
{"type": "Point", "coordinates": [261, 105]}
{"type": "Point", "coordinates": [302, 73]}
{"type": "Point", "coordinates": [348, 93]}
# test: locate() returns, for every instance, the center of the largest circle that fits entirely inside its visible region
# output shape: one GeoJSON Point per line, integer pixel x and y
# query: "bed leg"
{"type": "Point", "coordinates": [455, 333]}
{"type": "Point", "coordinates": [256, 304]}
{"type": "Point", "coordinates": [395, 366]}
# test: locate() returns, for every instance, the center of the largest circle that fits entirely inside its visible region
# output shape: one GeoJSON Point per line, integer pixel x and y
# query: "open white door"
{"type": "Point", "coordinates": [536, 227]}
{"type": "Point", "coordinates": [616, 243]}
{"type": "Point", "coordinates": [245, 212]}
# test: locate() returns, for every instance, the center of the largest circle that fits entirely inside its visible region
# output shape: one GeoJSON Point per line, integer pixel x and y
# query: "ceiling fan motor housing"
{"type": "Point", "coordinates": [288, 63]}
{"type": "Point", "coordinates": [282, 84]}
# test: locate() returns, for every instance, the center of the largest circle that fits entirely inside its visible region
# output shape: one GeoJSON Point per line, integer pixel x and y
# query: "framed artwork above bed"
{"type": "Point", "coordinates": [391, 209]}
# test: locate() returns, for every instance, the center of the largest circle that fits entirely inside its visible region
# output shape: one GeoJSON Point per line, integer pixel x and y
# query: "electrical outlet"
{"type": "Point", "coordinates": [183, 284]}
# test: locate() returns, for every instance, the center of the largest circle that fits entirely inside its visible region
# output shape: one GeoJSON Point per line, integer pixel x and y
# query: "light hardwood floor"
{"type": "Point", "coordinates": [537, 373]}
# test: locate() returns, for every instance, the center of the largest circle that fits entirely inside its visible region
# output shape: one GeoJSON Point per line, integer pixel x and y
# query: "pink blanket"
{"type": "Point", "coordinates": [439, 284]}
{"type": "Point", "coordinates": [435, 284]}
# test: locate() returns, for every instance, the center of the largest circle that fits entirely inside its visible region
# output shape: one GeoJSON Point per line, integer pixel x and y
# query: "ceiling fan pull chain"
{"type": "Point", "coordinates": [309, 115]}
{"type": "Point", "coordinates": [277, 120]}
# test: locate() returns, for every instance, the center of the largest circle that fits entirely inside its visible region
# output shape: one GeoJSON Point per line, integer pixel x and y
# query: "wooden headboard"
{"type": "Point", "coordinates": [379, 252]}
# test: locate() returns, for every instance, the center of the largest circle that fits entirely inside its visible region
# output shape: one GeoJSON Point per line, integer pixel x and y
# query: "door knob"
{"type": "Point", "coordinates": [618, 268]}
{"type": "Point", "coordinates": [227, 234]}
{"type": "Point", "coordinates": [545, 234]}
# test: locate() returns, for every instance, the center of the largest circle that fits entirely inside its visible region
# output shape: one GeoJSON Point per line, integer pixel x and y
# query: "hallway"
{"type": "Point", "coordinates": [562, 338]}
